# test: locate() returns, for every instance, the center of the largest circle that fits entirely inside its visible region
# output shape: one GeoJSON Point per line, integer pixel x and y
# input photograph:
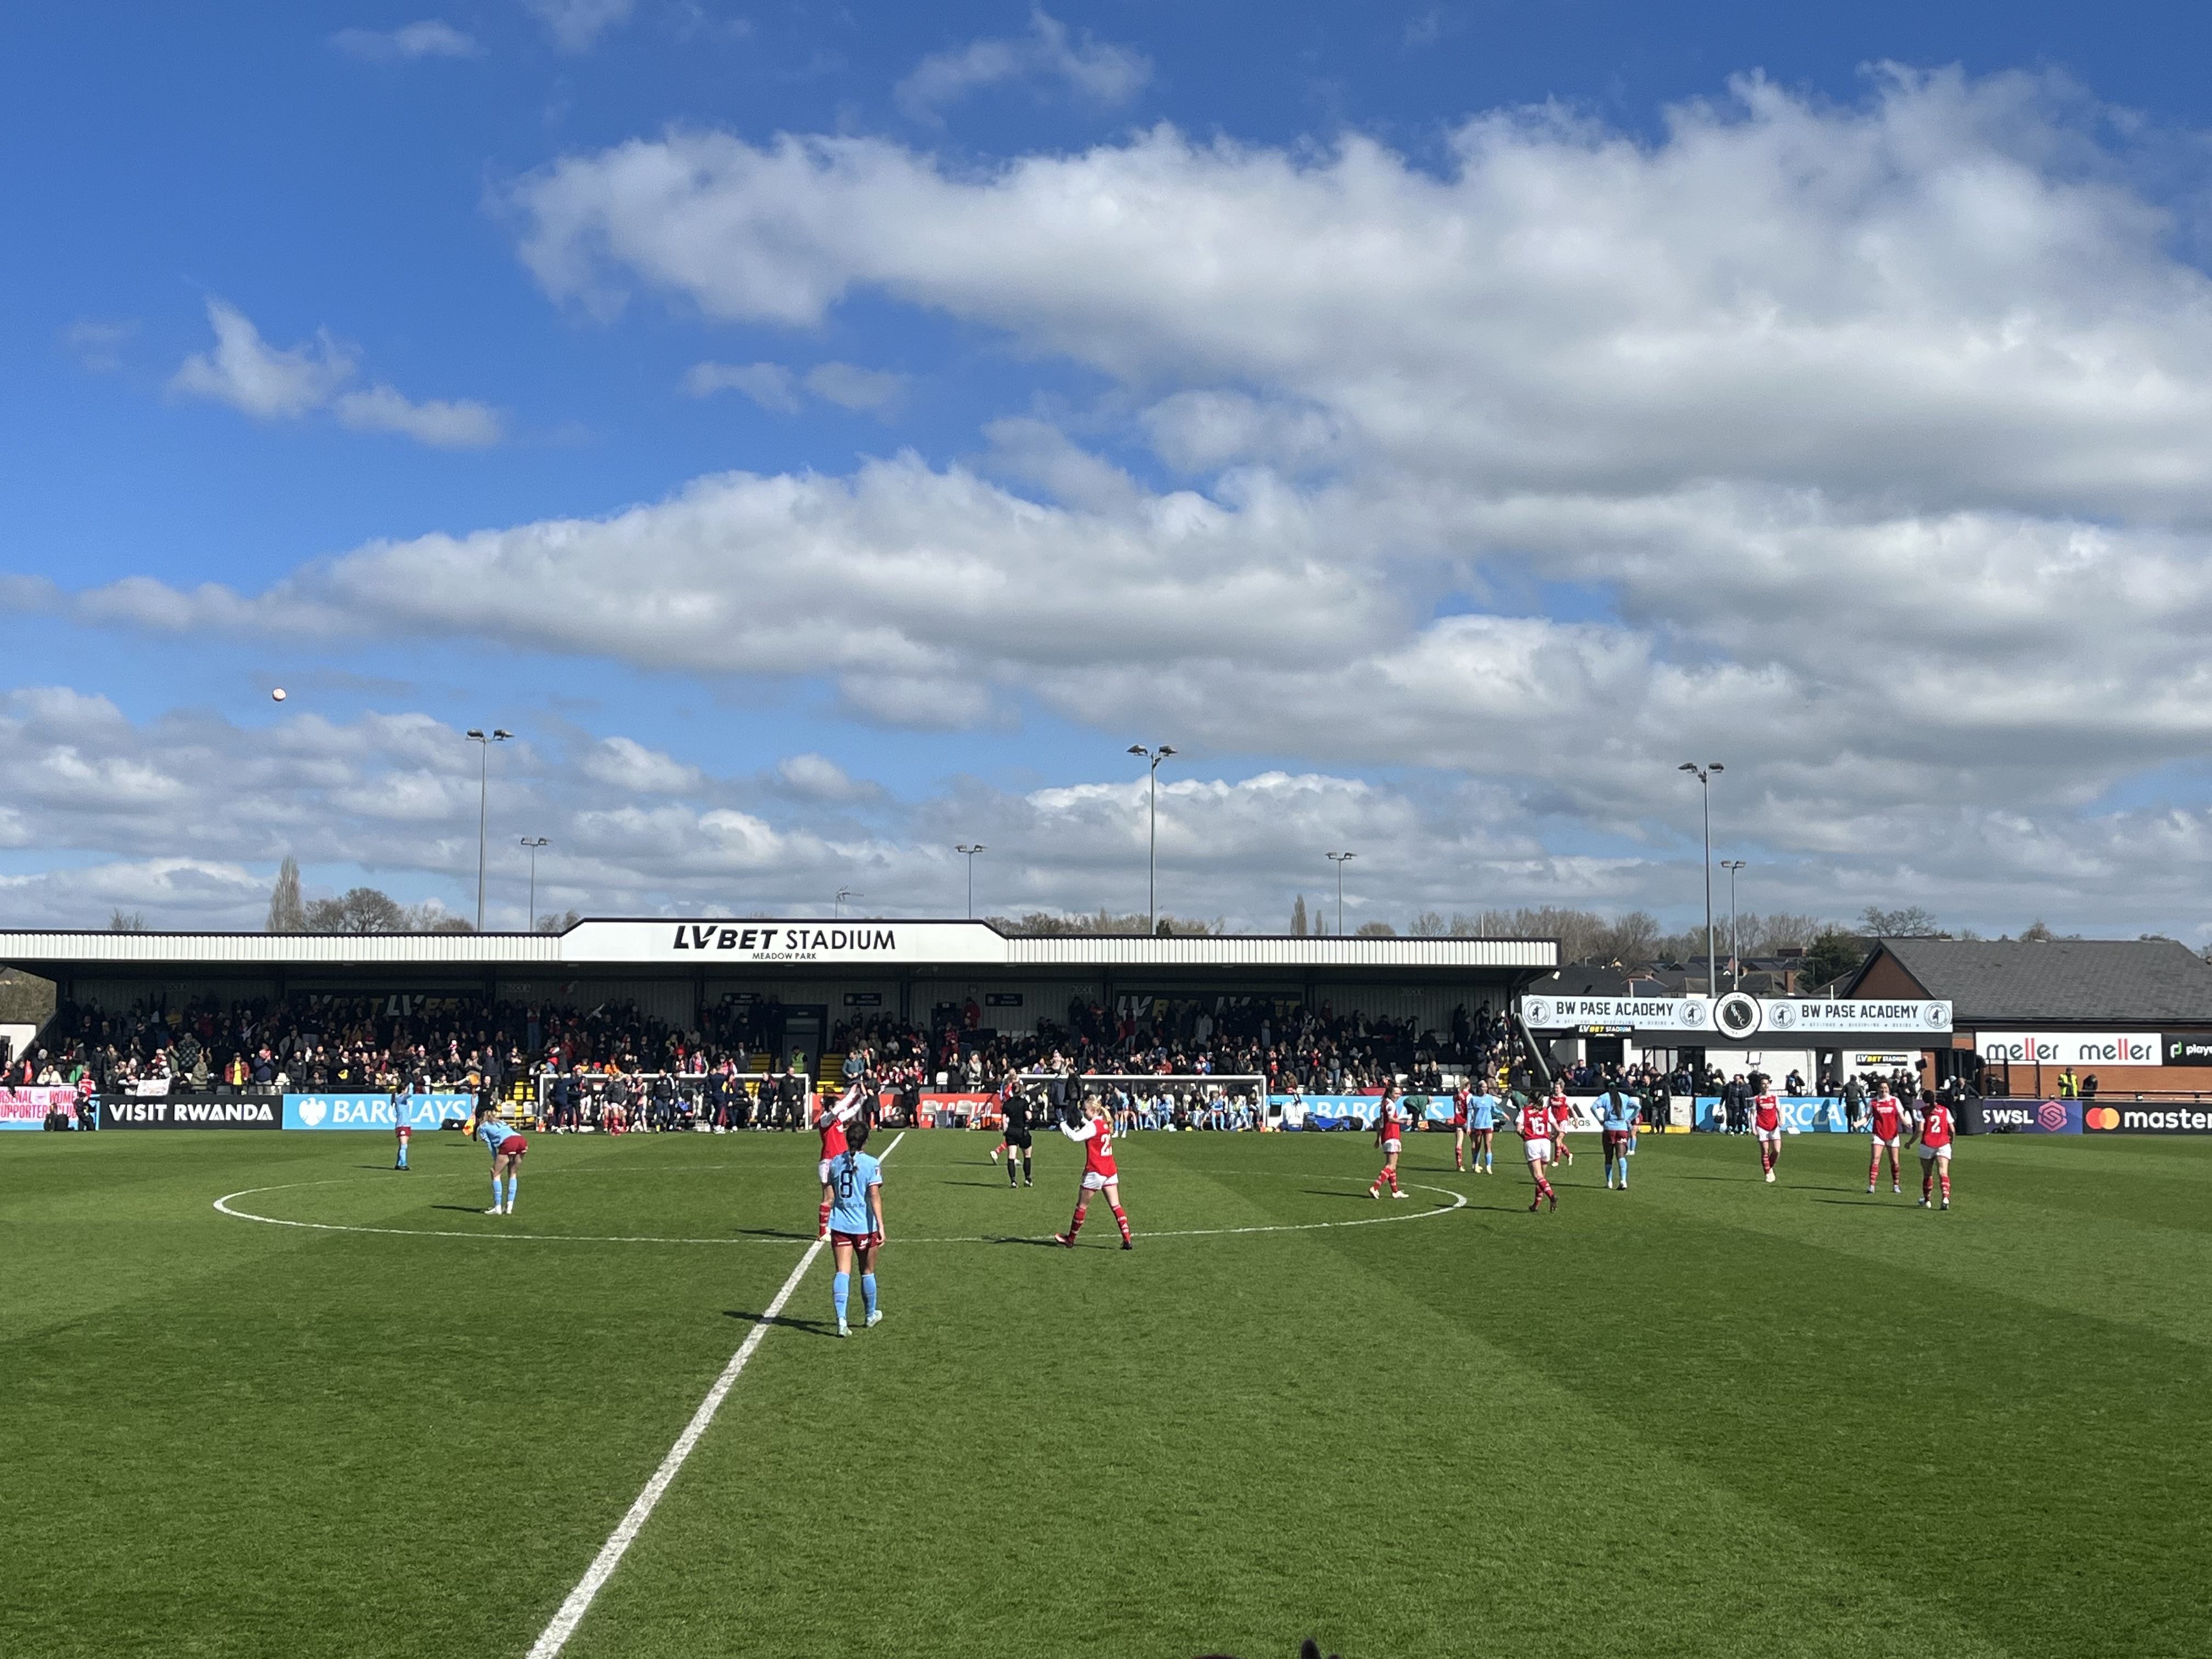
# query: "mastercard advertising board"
{"type": "Point", "coordinates": [2144, 1118]}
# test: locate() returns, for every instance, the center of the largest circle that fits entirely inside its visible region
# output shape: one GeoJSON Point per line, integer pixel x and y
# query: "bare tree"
{"type": "Point", "coordinates": [286, 914]}
{"type": "Point", "coordinates": [126, 921]}
{"type": "Point", "coordinates": [1910, 922]}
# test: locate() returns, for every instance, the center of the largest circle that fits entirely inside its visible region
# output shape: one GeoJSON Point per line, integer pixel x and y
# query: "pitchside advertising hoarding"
{"type": "Point", "coordinates": [384, 1112]}
{"type": "Point", "coordinates": [2071, 1048]}
{"type": "Point", "coordinates": [189, 1112]}
{"type": "Point", "coordinates": [1733, 1017]}
{"type": "Point", "coordinates": [27, 1108]}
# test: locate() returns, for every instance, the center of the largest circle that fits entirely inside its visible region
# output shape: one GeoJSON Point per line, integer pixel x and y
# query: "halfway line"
{"type": "Point", "coordinates": [556, 1634]}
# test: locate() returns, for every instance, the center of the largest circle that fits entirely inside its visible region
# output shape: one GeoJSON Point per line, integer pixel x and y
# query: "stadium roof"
{"type": "Point", "coordinates": [738, 943]}
{"type": "Point", "coordinates": [2104, 981]}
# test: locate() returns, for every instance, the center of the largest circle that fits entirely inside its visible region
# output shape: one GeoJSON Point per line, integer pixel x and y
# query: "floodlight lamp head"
{"type": "Point", "coordinates": [1165, 751]}
{"type": "Point", "coordinates": [1715, 766]}
{"type": "Point", "coordinates": [1138, 749]}
{"type": "Point", "coordinates": [500, 733]}
{"type": "Point", "coordinates": [1688, 766]}
{"type": "Point", "coordinates": [473, 732]}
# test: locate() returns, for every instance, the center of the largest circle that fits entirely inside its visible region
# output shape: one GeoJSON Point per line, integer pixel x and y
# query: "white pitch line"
{"type": "Point", "coordinates": [555, 1635]}
{"type": "Point", "coordinates": [1459, 1202]}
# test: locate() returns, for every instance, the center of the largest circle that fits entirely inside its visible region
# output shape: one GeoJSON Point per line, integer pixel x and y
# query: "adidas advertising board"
{"type": "Point", "coordinates": [189, 1112]}
{"type": "Point", "coordinates": [424, 1112]}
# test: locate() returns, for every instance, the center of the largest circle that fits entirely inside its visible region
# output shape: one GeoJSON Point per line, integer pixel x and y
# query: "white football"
{"type": "Point", "coordinates": [278, 694]}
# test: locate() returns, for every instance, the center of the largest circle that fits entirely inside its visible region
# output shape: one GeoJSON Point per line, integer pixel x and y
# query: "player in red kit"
{"type": "Point", "coordinates": [830, 1121]}
{"type": "Point", "coordinates": [1886, 1119]}
{"type": "Point", "coordinates": [1460, 1128]}
{"type": "Point", "coordinates": [1562, 1114]}
{"type": "Point", "coordinates": [1390, 1136]}
{"type": "Point", "coordinates": [1767, 1125]}
{"type": "Point", "coordinates": [1937, 1132]}
{"type": "Point", "coordinates": [1534, 1124]}
{"type": "Point", "coordinates": [1099, 1173]}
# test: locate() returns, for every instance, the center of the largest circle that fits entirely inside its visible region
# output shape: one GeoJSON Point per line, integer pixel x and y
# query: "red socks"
{"type": "Point", "coordinates": [1122, 1220]}
{"type": "Point", "coordinates": [822, 1225]}
{"type": "Point", "coordinates": [1927, 1186]}
{"type": "Point", "coordinates": [1946, 1179]}
{"type": "Point", "coordinates": [1076, 1225]}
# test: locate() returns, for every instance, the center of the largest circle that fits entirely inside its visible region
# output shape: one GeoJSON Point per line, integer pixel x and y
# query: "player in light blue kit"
{"type": "Point", "coordinates": [856, 1223]}
{"type": "Point", "coordinates": [1616, 1118]}
{"type": "Point", "coordinates": [506, 1150]}
{"type": "Point", "coordinates": [1482, 1120]}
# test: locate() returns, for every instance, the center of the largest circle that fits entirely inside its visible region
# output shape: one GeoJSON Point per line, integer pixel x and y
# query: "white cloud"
{"type": "Point", "coordinates": [1099, 73]}
{"type": "Point", "coordinates": [461, 424]}
{"type": "Point", "coordinates": [246, 373]}
{"type": "Point", "coordinates": [771, 385]}
{"type": "Point", "coordinates": [850, 387]}
{"type": "Point", "coordinates": [774, 387]}
{"type": "Point", "coordinates": [576, 25]}
{"type": "Point", "coordinates": [816, 777]}
{"type": "Point", "coordinates": [625, 764]}
{"type": "Point", "coordinates": [430, 38]}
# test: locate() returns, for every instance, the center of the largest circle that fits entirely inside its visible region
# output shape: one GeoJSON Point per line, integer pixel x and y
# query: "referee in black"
{"type": "Point", "coordinates": [1014, 1111]}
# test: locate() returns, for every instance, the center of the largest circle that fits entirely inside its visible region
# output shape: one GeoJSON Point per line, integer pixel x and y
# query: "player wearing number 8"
{"type": "Point", "coordinates": [856, 1224]}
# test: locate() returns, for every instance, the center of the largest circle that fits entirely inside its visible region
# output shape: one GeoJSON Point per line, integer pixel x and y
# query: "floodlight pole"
{"type": "Point", "coordinates": [838, 905]}
{"type": "Point", "coordinates": [533, 845]}
{"type": "Point", "coordinates": [1735, 950]}
{"type": "Point", "coordinates": [1705, 777]}
{"type": "Point", "coordinates": [971, 851]}
{"type": "Point", "coordinates": [484, 806]}
{"type": "Point", "coordinates": [1152, 844]}
{"type": "Point", "coordinates": [1339, 860]}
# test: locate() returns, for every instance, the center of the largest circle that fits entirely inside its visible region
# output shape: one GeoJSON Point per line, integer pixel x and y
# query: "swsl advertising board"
{"type": "Point", "coordinates": [384, 1112]}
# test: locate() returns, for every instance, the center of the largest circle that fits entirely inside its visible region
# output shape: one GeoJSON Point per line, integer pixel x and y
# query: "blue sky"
{"type": "Point", "coordinates": [824, 434]}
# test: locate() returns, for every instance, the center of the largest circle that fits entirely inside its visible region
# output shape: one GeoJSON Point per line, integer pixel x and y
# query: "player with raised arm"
{"type": "Point", "coordinates": [1886, 1119]}
{"type": "Point", "coordinates": [402, 1107]}
{"type": "Point", "coordinates": [830, 1122]}
{"type": "Point", "coordinates": [1014, 1133]}
{"type": "Point", "coordinates": [1937, 1131]}
{"type": "Point", "coordinates": [1535, 1125]}
{"type": "Point", "coordinates": [1100, 1174]}
{"type": "Point", "coordinates": [507, 1147]}
{"type": "Point", "coordinates": [856, 1224]}
{"type": "Point", "coordinates": [1390, 1136]}
{"type": "Point", "coordinates": [1767, 1125]}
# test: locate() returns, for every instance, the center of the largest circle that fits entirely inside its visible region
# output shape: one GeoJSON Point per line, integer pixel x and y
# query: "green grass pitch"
{"type": "Point", "coordinates": [1706, 1416]}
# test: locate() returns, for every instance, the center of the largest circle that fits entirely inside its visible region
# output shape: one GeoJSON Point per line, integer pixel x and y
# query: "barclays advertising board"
{"type": "Point", "coordinates": [384, 1112]}
{"type": "Point", "coordinates": [1802, 1114]}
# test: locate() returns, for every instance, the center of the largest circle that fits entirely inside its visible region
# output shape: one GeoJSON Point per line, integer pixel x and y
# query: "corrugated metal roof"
{"type": "Point", "coordinates": [169, 950]}
{"type": "Point", "coordinates": [1278, 950]}
{"type": "Point", "coordinates": [99, 947]}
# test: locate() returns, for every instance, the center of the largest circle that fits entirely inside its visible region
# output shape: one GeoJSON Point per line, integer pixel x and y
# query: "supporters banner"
{"type": "Point", "coordinates": [190, 1112]}
{"type": "Point", "coordinates": [2137, 1118]}
{"type": "Point", "coordinates": [148, 1085]}
{"type": "Point", "coordinates": [26, 1108]}
{"type": "Point", "coordinates": [374, 1112]}
{"type": "Point", "coordinates": [1802, 1114]}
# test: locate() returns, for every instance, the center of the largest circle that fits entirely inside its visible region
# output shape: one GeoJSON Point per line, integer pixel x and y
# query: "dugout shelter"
{"type": "Point", "coordinates": [798, 976]}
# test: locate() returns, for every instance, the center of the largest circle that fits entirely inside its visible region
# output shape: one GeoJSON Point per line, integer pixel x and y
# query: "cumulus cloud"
{"type": "Point", "coordinates": [773, 386]}
{"type": "Point", "coordinates": [245, 371]}
{"type": "Point", "coordinates": [430, 38]}
{"type": "Point", "coordinates": [576, 25]}
{"type": "Point", "coordinates": [1046, 56]}
{"type": "Point", "coordinates": [1861, 446]}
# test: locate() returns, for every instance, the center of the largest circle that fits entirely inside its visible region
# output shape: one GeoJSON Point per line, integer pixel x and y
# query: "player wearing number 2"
{"type": "Point", "coordinates": [856, 1224]}
{"type": "Point", "coordinates": [1936, 1130]}
{"type": "Point", "coordinates": [1099, 1173]}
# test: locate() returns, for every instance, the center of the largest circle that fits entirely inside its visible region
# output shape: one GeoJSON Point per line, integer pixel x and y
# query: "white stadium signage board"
{"type": "Point", "coordinates": [1736, 1016]}
{"type": "Point", "coordinates": [705, 943]}
{"type": "Point", "coordinates": [2071, 1048]}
